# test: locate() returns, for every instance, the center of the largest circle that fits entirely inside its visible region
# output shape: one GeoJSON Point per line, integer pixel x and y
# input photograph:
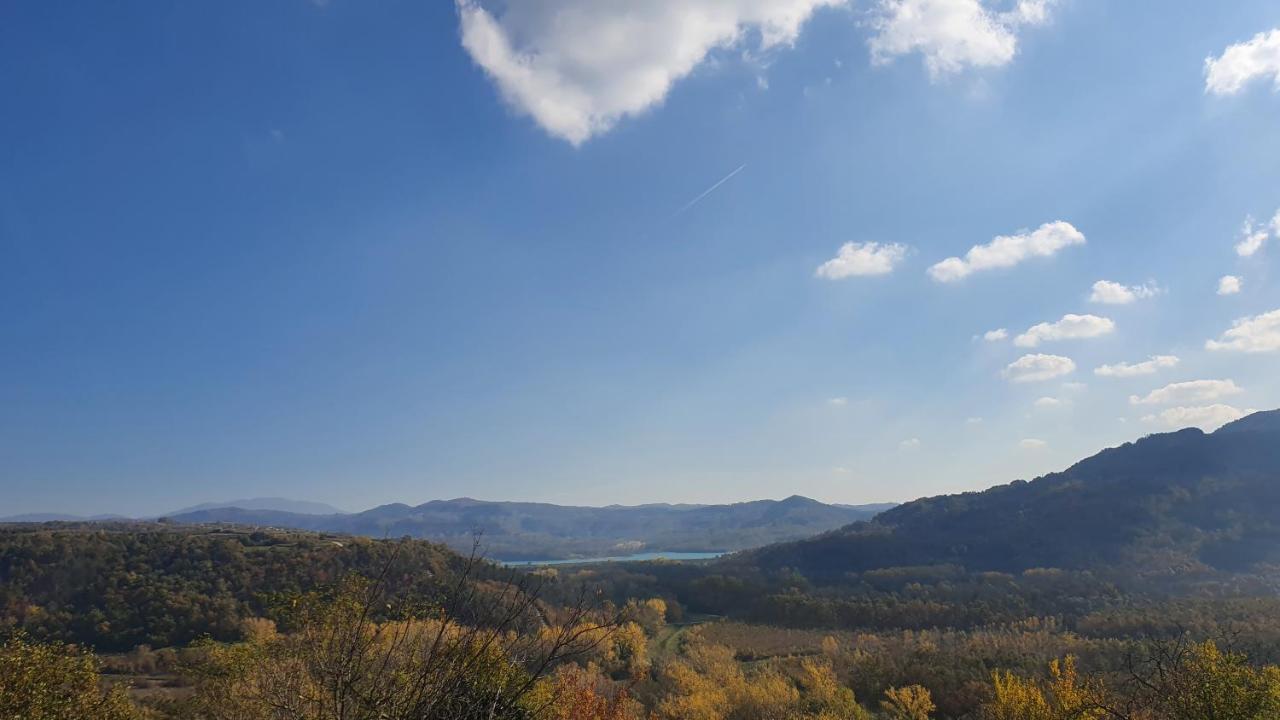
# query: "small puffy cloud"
{"type": "Point", "coordinates": [577, 67]}
{"type": "Point", "coordinates": [1037, 367]}
{"type": "Point", "coordinates": [838, 401]}
{"type": "Point", "coordinates": [854, 259]}
{"type": "Point", "coordinates": [1252, 237]}
{"type": "Point", "coordinates": [1205, 417]}
{"type": "Point", "coordinates": [1146, 367]}
{"type": "Point", "coordinates": [1243, 62]}
{"type": "Point", "coordinates": [1009, 250]}
{"type": "Point", "coordinates": [1229, 285]}
{"type": "Point", "coordinates": [1107, 292]}
{"type": "Point", "coordinates": [1070, 327]}
{"type": "Point", "coordinates": [995, 335]}
{"type": "Point", "coordinates": [909, 444]}
{"type": "Point", "coordinates": [951, 34]}
{"type": "Point", "coordinates": [1192, 391]}
{"type": "Point", "coordinates": [973, 421]}
{"type": "Point", "coordinates": [1047, 402]}
{"type": "Point", "coordinates": [1032, 444]}
{"type": "Point", "coordinates": [1260, 333]}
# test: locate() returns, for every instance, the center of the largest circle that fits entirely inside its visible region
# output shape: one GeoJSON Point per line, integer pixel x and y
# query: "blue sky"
{"type": "Point", "coordinates": [374, 252]}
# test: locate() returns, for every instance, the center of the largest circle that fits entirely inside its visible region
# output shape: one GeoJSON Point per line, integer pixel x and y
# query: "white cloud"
{"type": "Point", "coordinates": [1259, 57]}
{"type": "Point", "coordinates": [1037, 367]}
{"type": "Point", "coordinates": [1192, 391]}
{"type": "Point", "coordinates": [1260, 333]}
{"type": "Point", "coordinates": [577, 67]}
{"type": "Point", "coordinates": [1032, 444]}
{"type": "Point", "coordinates": [995, 335]}
{"type": "Point", "coordinates": [1229, 285]}
{"type": "Point", "coordinates": [1113, 293]}
{"type": "Point", "coordinates": [951, 34]}
{"type": "Point", "coordinates": [973, 421]}
{"type": "Point", "coordinates": [1009, 250]}
{"type": "Point", "coordinates": [1070, 327]}
{"type": "Point", "coordinates": [909, 444]}
{"type": "Point", "coordinates": [1252, 238]}
{"type": "Point", "coordinates": [1047, 402]}
{"type": "Point", "coordinates": [855, 259]}
{"type": "Point", "coordinates": [1205, 417]}
{"type": "Point", "coordinates": [1146, 367]}
{"type": "Point", "coordinates": [838, 401]}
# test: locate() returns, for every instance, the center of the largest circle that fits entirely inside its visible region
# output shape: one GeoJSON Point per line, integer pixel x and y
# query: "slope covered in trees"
{"type": "Point", "coordinates": [1179, 502]}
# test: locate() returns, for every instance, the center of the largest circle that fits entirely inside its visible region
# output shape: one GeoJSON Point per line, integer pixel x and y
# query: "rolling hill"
{"type": "Point", "coordinates": [1179, 502]}
{"type": "Point", "coordinates": [519, 531]}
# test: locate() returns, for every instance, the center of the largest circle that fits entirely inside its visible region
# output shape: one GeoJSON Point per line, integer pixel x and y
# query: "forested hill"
{"type": "Point", "coordinates": [516, 531]}
{"type": "Point", "coordinates": [1175, 502]}
{"type": "Point", "coordinates": [115, 586]}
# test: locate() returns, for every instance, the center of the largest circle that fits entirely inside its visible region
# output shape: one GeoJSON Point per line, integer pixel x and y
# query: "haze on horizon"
{"type": "Point", "coordinates": [363, 253]}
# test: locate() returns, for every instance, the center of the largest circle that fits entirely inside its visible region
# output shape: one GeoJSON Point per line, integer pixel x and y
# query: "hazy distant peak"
{"type": "Point", "coordinates": [277, 504]}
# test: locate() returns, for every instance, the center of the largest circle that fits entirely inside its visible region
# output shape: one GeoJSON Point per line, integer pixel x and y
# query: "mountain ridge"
{"type": "Point", "coordinates": [1184, 501]}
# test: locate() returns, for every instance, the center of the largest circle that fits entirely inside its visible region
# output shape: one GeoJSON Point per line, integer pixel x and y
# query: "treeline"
{"type": "Point", "coordinates": [117, 587]}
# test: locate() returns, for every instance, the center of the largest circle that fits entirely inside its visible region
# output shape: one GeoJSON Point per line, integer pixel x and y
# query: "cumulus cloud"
{"type": "Point", "coordinates": [1229, 285]}
{"type": "Point", "coordinates": [1205, 417]}
{"type": "Point", "coordinates": [1070, 327]}
{"type": "Point", "coordinates": [951, 34]}
{"type": "Point", "coordinates": [909, 444]}
{"type": "Point", "coordinates": [1192, 391]}
{"type": "Point", "coordinates": [1009, 250]}
{"type": "Point", "coordinates": [1032, 444]}
{"type": "Point", "coordinates": [1260, 333]}
{"type": "Point", "coordinates": [1147, 367]}
{"type": "Point", "coordinates": [577, 67]}
{"type": "Point", "coordinates": [838, 401]}
{"type": "Point", "coordinates": [854, 259]}
{"type": "Point", "coordinates": [975, 420]}
{"type": "Point", "coordinates": [995, 335]}
{"type": "Point", "coordinates": [1243, 62]}
{"type": "Point", "coordinates": [1252, 238]}
{"type": "Point", "coordinates": [1107, 292]}
{"type": "Point", "coordinates": [1047, 402]}
{"type": "Point", "coordinates": [1037, 367]}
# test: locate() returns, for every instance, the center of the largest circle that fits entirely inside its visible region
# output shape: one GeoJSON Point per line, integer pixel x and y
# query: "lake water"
{"type": "Point", "coordinates": [635, 557]}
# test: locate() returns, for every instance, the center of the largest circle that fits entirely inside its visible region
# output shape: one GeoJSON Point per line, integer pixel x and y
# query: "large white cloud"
{"type": "Point", "coordinates": [1192, 391]}
{"type": "Point", "coordinates": [579, 66]}
{"type": "Point", "coordinates": [1241, 63]}
{"type": "Point", "coordinates": [1205, 417]}
{"type": "Point", "coordinates": [1260, 333]}
{"type": "Point", "coordinates": [1009, 250]}
{"type": "Point", "coordinates": [1146, 367]}
{"type": "Point", "coordinates": [1037, 367]}
{"type": "Point", "coordinates": [951, 34]}
{"type": "Point", "coordinates": [855, 259]}
{"type": "Point", "coordinates": [1108, 292]}
{"type": "Point", "coordinates": [1070, 327]}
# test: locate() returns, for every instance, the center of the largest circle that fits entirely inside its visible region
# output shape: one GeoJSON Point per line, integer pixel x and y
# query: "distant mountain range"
{"type": "Point", "coordinates": [1170, 504]}
{"type": "Point", "coordinates": [521, 531]}
{"type": "Point", "coordinates": [300, 507]}
{"type": "Point", "coordinates": [541, 531]}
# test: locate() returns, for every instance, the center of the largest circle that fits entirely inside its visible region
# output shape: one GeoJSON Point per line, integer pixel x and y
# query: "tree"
{"type": "Point", "coordinates": [41, 681]}
{"type": "Point", "coordinates": [912, 702]}
{"type": "Point", "coordinates": [340, 662]}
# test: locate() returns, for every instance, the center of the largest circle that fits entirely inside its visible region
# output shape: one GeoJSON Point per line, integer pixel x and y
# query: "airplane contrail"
{"type": "Point", "coordinates": [711, 189]}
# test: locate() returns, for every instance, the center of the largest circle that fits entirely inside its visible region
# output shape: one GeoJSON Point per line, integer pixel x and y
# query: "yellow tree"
{"type": "Point", "coordinates": [56, 682]}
